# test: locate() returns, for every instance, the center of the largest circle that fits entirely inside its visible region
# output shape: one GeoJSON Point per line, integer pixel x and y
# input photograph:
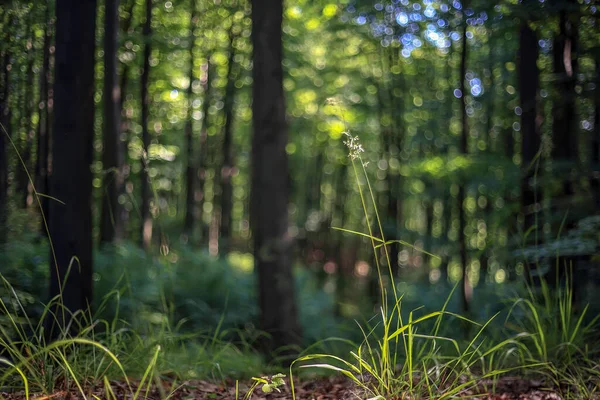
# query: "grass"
{"type": "Point", "coordinates": [155, 334]}
{"type": "Point", "coordinates": [107, 350]}
{"type": "Point", "coordinates": [406, 358]}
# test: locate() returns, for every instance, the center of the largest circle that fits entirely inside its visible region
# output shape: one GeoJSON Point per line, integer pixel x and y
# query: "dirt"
{"type": "Point", "coordinates": [510, 388]}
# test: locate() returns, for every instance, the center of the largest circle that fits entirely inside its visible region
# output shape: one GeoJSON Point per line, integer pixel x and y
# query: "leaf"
{"type": "Point", "coordinates": [267, 388]}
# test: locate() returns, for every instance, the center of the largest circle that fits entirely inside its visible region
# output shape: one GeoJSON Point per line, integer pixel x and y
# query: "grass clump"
{"type": "Point", "coordinates": [555, 333]}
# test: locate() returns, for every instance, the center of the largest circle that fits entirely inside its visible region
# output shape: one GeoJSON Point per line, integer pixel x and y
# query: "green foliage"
{"type": "Point", "coordinates": [562, 337]}
{"type": "Point", "coordinates": [109, 349]}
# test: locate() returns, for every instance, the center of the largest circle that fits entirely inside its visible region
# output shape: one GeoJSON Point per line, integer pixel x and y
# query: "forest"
{"type": "Point", "coordinates": [309, 199]}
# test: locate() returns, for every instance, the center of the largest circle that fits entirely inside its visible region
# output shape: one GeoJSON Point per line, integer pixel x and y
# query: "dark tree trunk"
{"type": "Point", "coordinates": [530, 126]}
{"type": "Point", "coordinates": [111, 226]}
{"type": "Point", "coordinates": [342, 256]}
{"type": "Point", "coordinates": [43, 128]}
{"type": "Point", "coordinates": [446, 227]}
{"type": "Point", "coordinates": [393, 142]}
{"type": "Point", "coordinates": [4, 129]}
{"type": "Point", "coordinates": [228, 162]}
{"type": "Point", "coordinates": [564, 125]}
{"type": "Point", "coordinates": [565, 141]}
{"type": "Point", "coordinates": [270, 181]}
{"type": "Point", "coordinates": [146, 218]}
{"type": "Point", "coordinates": [464, 149]}
{"type": "Point", "coordinates": [595, 181]}
{"type": "Point", "coordinates": [429, 218]}
{"type": "Point", "coordinates": [71, 183]}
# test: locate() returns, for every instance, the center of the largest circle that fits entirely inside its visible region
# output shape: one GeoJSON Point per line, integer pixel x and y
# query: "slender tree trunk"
{"type": "Point", "coordinates": [190, 171]}
{"type": "Point", "coordinates": [43, 134]}
{"type": "Point", "coordinates": [199, 195]}
{"type": "Point", "coordinates": [487, 139]}
{"type": "Point", "coordinates": [429, 218]}
{"type": "Point", "coordinates": [394, 143]}
{"type": "Point", "coordinates": [466, 289]}
{"type": "Point", "coordinates": [111, 227]}
{"type": "Point", "coordinates": [228, 162]}
{"type": "Point", "coordinates": [71, 183]}
{"type": "Point", "coordinates": [342, 255]}
{"type": "Point", "coordinates": [125, 120]}
{"type": "Point", "coordinates": [270, 181]}
{"type": "Point", "coordinates": [23, 185]}
{"type": "Point", "coordinates": [146, 226]}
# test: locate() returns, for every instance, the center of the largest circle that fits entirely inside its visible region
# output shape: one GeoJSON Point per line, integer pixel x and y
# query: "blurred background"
{"type": "Point", "coordinates": [481, 143]}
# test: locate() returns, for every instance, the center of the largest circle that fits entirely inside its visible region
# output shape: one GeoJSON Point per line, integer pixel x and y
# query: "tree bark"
{"type": "Point", "coordinates": [146, 226]}
{"type": "Point", "coordinates": [270, 181]}
{"type": "Point", "coordinates": [71, 183]}
{"type": "Point", "coordinates": [111, 226]}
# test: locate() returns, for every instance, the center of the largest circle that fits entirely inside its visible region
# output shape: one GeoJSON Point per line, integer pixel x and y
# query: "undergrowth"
{"type": "Point", "coordinates": [403, 357]}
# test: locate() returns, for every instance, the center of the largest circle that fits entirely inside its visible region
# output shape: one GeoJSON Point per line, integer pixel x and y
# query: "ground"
{"type": "Point", "coordinates": [509, 388]}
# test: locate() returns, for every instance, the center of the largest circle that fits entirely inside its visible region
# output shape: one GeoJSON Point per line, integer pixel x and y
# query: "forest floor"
{"type": "Point", "coordinates": [338, 388]}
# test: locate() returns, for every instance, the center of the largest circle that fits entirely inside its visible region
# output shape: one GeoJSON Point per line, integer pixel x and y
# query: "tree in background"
{"type": "Point", "coordinates": [44, 124]}
{"type": "Point", "coordinates": [5, 121]}
{"type": "Point", "coordinates": [466, 289]}
{"type": "Point", "coordinates": [270, 180]}
{"type": "Point", "coordinates": [111, 224]}
{"type": "Point", "coordinates": [190, 171]}
{"type": "Point", "coordinates": [71, 183]}
{"type": "Point", "coordinates": [146, 225]}
{"type": "Point", "coordinates": [530, 127]}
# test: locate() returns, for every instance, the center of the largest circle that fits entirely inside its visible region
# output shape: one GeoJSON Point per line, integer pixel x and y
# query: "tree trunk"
{"type": "Point", "coordinates": [595, 181]}
{"type": "Point", "coordinates": [464, 149]}
{"type": "Point", "coordinates": [270, 181]}
{"type": "Point", "coordinates": [71, 183]}
{"type": "Point", "coordinates": [125, 120]}
{"type": "Point", "coordinates": [190, 170]}
{"type": "Point", "coordinates": [564, 125]}
{"type": "Point", "coordinates": [23, 185]}
{"type": "Point", "coordinates": [111, 226]}
{"type": "Point", "coordinates": [530, 126]}
{"type": "Point", "coordinates": [146, 226]}
{"type": "Point", "coordinates": [199, 195]}
{"type": "Point", "coordinates": [43, 128]}
{"type": "Point", "coordinates": [228, 162]}
{"type": "Point", "coordinates": [565, 142]}
{"type": "Point", "coordinates": [4, 129]}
